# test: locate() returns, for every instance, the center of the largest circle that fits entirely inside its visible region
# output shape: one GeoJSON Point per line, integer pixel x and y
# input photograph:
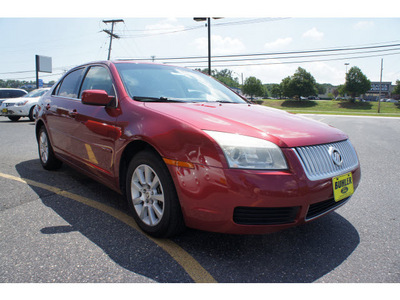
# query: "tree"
{"type": "Point", "coordinates": [321, 88]}
{"type": "Point", "coordinates": [225, 76]}
{"type": "Point", "coordinates": [300, 84]}
{"type": "Point", "coordinates": [276, 90]}
{"type": "Point", "coordinates": [341, 90]}
{"type": "Point", "coordinates": [286, 88]}
{"type": "Point", "coordinates": [396, 89]}
{"type": "Point", "coordinates": [253, 87]}
{"type": "Point", "coordinates": [356, 83]}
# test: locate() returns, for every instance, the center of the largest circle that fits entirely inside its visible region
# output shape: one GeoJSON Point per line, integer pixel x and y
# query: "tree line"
{"type": "Point", "coordinates": [11, 83]}
{"type": "Point", "coordinates": [300, 84]}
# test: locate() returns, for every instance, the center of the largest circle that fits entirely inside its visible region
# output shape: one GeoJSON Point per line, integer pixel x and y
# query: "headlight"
{"type": "Point", "coordinates": [245, 152]}
{"type": "Point", "coordinates": [22, 103]}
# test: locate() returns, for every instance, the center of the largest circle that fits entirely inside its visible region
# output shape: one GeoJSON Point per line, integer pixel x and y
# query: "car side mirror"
{"type": "Point", "coordinates": [96, 97]}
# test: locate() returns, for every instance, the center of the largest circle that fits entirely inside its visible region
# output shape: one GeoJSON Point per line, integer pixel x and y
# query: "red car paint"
{"type": "Point", "coordinates": [94, 139]}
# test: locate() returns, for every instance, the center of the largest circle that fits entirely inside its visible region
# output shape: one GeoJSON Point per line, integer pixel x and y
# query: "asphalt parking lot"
{"type": "Point", "coordinates": [63, 227]}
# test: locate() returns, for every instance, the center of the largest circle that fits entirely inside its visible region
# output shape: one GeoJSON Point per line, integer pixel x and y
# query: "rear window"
{"type": "Point", "coordinates": [12, 93]}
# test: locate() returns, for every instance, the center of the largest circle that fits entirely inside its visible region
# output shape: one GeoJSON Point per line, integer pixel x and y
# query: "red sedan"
{"type": "Point", "coordinates": [187, 151]}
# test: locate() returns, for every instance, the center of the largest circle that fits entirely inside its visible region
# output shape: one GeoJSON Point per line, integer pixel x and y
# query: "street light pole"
{"type": "Point", "coordinates": [345, 78]}
{"type": "Point", "coordinates": [209, 46]}
{"type": "Point", "coordinates": [380, 88]}
{"type": "Point", "coordinates": [209, 39]}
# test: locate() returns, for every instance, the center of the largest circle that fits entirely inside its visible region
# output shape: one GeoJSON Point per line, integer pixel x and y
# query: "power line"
{"type": "Point", "coordinates": [229, 59]}
{"type": "Point", "coordinates": [33, 77]}
{"type": "Point", "coordinates": [170, 31]}
{"type": "Point", "coordinates": [32, 71]}
{"type": "Point", "coordinates": [294, 62]}
{"type": "Point", "coordinates": [277, 53]}
{"type": "Point", "coordinates": [287, 57]}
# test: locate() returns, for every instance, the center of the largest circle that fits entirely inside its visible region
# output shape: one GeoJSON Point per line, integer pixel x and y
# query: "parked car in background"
{"type": "Point", "coordinates": [17, 108]}
{"type": "Point", "coordinates": [8, 93]}
{"type": "Point", "coordinates": [187, 151]}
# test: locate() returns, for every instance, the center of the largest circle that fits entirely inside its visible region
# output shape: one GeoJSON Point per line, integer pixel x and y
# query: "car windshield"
{"type": "Point", "coordinates": [148, 82]}
{"type": "Point", "coordinates": [35, 93]}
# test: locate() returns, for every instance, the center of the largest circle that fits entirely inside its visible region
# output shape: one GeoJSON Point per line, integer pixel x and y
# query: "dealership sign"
{"type": "Point", "coordinates": [43, 64]}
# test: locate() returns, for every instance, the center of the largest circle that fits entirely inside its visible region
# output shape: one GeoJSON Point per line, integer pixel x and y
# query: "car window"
{"type": "Point", "coordinates": [35, 93]}
{"type": "Point", "coordinates": [11, 93]}
{"type": "Point", "coordinates": [159, 81]}
{"type": "Point", "coordinates": [70, 84]}
{"type": "Point", "coordinates": [98, 78]}
{"type": "Point", "coordinates": [16, 94]}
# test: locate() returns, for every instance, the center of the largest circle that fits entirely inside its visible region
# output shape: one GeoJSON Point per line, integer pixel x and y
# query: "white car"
{"type": "Point", "coordinates": [24, 106]}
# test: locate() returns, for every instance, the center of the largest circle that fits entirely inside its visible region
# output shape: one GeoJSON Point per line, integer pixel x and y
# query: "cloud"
{"type": "Point", "coordinates": [279, 43]}
{"type": "Point", "coordinates": [313, 34]}
{"type": "Point", "coordinates": [363, 25]}
{"type": "Point", "coordinates": [220, 45]}
{"type": "Point", "coordinates": [164, 26]}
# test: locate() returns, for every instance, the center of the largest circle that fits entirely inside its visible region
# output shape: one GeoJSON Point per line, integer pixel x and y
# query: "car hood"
{"type": "Point", "coordinates": [16, 100]}
{"type": "Point", "coordinates": [282, 128]}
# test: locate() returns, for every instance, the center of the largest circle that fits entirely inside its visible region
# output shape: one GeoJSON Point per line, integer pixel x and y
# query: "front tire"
{"type": "Point", "coordinates": [152, 197]}
{"type": "Point", "coordinates": [46, 154]}
{"type": "Point", "coordinates": [31, 116]}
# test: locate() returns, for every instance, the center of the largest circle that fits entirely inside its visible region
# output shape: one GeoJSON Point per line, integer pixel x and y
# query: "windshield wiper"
{"type": "Point", "coordinates": [155, 99]}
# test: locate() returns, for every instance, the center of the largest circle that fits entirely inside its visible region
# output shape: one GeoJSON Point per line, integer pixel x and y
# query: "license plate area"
{"type": "Point", "coordinates": [5, 110]}
{"type": "Point", "coordinates": [342, 186]}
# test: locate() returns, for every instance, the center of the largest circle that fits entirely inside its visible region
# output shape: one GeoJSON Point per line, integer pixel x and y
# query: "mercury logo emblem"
{"type": "Point", "coordinates": [336, 156]}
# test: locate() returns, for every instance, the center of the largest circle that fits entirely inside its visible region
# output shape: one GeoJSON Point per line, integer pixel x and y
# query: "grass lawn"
{"type": "Point", "coordinates": [336, 107]}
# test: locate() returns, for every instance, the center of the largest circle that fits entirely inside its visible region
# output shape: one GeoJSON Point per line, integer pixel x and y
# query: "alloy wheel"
{"type": "Point", "coordinates": [147, 195]}
{"type": "Point", "coordinates": [43, 147]}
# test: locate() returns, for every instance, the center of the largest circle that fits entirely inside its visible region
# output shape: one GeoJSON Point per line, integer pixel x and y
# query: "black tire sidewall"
{"type": "Point", "coordinates": [14, 118]}
{"type": "Point", "coordinates": [52, 162]}
{"type": "Point", "coordinates": [30, 116]}
{"type": "Point", "coordinates": [172, 211]}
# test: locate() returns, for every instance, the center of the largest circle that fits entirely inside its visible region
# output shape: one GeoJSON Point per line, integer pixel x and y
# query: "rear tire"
{"type": "Point", "coordinates": [46, 154]}
{"type": "Point", "coordinates": [14, 118]}
{"type": "Point", "coordinates": [152, 197]}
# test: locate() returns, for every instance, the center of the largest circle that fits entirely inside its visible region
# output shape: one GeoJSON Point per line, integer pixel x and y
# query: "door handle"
{"type": "Point", "coordinates": [73, 113]}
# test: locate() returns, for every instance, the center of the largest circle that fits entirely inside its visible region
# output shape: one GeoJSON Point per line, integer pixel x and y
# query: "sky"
{"type": "Point", "coordinates": [73, 34]}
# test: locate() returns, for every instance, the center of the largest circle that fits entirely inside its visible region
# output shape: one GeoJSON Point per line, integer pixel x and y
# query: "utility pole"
{"type": "Point", "coordinates": [112, 35]}
{"type": "Point", "coordinates": [380, 88]}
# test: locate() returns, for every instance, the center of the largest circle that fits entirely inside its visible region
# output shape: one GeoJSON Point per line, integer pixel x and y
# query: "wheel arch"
{"type": "Point", "coordinates": [128, 153]}
{"type": "Point", "coordinates": [39, 124]}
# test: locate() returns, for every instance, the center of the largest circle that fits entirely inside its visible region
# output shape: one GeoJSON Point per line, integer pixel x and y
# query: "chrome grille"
{"type": "Point", "coordinates": [318, 163]}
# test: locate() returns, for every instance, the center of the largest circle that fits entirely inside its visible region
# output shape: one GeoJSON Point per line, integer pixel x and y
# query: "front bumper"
{"type": "Point", "coordinates": [253, 201]}
{"type": "Point", "coordinates": [21, 111]}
